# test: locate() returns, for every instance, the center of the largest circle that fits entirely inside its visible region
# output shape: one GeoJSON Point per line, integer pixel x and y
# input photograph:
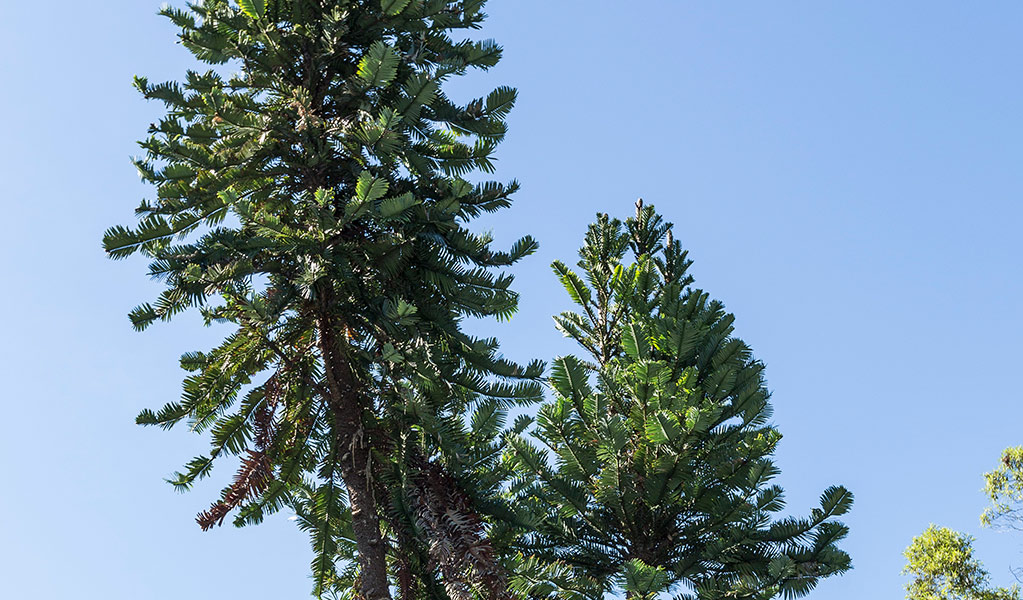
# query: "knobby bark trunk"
{"type": "Point", "coordinates": [346, 407]}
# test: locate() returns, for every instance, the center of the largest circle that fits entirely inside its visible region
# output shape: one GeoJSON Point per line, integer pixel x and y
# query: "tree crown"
{"type": "Point", "coordinates": [656, 467]}
{"type": "Point", "coordinates": [941, 564]}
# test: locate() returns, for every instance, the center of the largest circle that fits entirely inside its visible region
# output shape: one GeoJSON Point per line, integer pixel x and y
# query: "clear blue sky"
{"type": "Point", "coordinates": [847, 177]}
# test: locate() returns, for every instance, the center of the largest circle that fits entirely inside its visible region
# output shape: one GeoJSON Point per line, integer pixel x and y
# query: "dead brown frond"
{"type": "Point", "coordinates": [457, 542]}
{"type": "Point", "coordinates": [256, 471]}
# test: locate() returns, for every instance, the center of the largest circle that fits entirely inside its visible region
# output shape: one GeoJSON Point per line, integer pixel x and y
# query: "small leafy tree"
{"type": "Point", "coordinates": [656, 463]}
{"type": "Point", "coordinates": [315, 202]}
{"type": "Point", "coordinates": [942, 567]}
{"type": "Point", "coordinates": [1004, 488]}
{"type": "Point", "coordinates": [941, 561]}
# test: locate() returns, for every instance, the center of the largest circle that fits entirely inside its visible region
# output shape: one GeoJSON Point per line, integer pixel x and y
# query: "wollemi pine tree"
{"type": "Point", "coordinates": [316, 202]}
{"type": "Point", "coordinates": [656, 470]}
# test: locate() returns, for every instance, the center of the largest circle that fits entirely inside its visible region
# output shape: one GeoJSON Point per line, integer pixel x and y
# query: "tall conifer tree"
{"type": "Point", "coordinates": [315, 201]}
{"type": "Point", "coordinates": [657, 468]}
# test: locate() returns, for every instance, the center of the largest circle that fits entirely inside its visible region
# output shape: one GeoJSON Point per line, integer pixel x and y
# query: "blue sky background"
{"type": "Point", "coordinates": [846, 175]}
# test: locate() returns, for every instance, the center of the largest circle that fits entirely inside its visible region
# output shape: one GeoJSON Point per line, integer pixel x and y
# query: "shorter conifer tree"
{"type": "Point", "coordinates": [656, 467]}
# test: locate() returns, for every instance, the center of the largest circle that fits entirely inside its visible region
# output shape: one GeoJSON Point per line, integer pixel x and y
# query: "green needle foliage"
{"type": "Point", "coordinates": [941, 565]}
{"type": "Point", "coordinates": [656, 464]}
{"type": "Point", "coordinates": [315, 202]}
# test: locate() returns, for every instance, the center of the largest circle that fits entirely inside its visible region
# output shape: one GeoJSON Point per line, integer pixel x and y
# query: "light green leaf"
{"type": "Point", "coordinates": [574, 284]}
{"type": "Point", "coordinates": [634, 342]}
{"type": "Point", "coordinates": [379, 66]}
{"type": "Point", "coordinates": [370, 188]}
{"type": "Point", "coordinates": [692, 417]}
{"type": "Point", "coordinates": [570, 380]}
{"type": "Point", "coordinates": [662, 428]}
{"type": "Point", "coordinates": [322, 196]}
{"type": "Point", "coordinates": [644, 581]}
{"type": "Point", "coordinates": [252, 8]}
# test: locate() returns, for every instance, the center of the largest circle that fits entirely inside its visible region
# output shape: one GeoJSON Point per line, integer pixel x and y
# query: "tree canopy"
{"type": "Point", "coordinates": [940, 560]}
{"type": "Point", "coordinates": [941, 565]}
{"type": "Point", "coordinates": [1004, 488]}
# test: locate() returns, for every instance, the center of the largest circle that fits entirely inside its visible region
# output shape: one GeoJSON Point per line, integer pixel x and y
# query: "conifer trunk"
{"type": "Point", "coordinates": [354, 460]}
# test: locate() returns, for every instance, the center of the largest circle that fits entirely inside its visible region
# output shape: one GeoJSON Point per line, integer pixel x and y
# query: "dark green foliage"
{"type": "Point", "coordinates": [656, 472]}
{"type": "Point", "coordinates": [315, 202]}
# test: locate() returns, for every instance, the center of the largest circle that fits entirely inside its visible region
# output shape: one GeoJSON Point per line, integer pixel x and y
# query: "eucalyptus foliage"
{"type": "Point", "coordinates": [655, 469]}
{"type": "Point", "coordinates": [940, 561]}
{"type": "Point", "coordinates": [311, 195]}
{"type": "Point", "coordinates": [941, 566]}
{"type": "Point", "coordinates": [1004, 488]}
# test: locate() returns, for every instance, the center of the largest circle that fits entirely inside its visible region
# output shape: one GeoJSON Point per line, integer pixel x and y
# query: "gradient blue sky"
{"type": "Point", "coordinates": [847, 177]}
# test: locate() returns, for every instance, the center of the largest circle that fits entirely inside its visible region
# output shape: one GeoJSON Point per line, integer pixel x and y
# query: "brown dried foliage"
{"type": "Point", "coordinates": [256, 471]}
{"type": "Point", "coordinates": [457, 541]}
